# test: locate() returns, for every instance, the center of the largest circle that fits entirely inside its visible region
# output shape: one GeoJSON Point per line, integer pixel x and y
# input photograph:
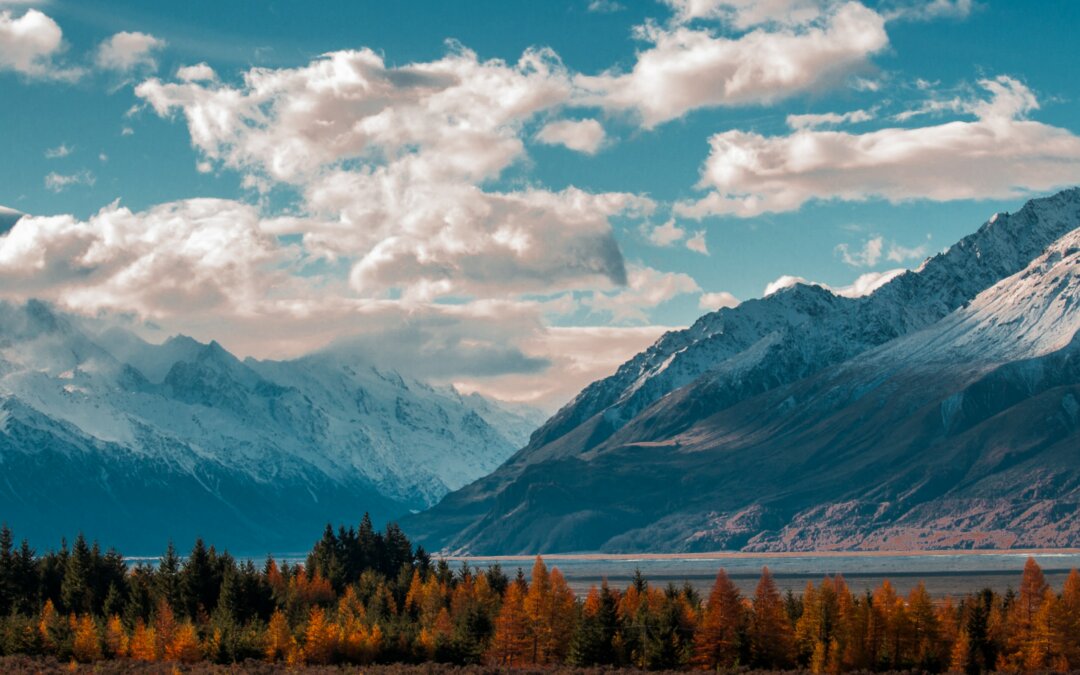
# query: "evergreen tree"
{"type": "Point", "coordinates": [8, 586]}
{"type": "Point", "coordinates": [199, 584]}
{"type": "Point", "coordinates": [76, 593]}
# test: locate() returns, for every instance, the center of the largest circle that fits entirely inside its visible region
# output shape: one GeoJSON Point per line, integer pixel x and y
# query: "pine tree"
{"type": "Point", "coordinates": [116, 640]}
{"type": "Point", "coordinates": [184, 645]}
{"type": "Point", "coordinates": [143, 644]}
{"type": "Point", "coordinates": [537, 601]}
{"type": "Point", "coordinates": [7, 571]}
{"type": "Point", "coordinates": [1065, 624]}
{"type": "Point", "coordinates": [719, 637]}
{"type": "Point", "coordinates": [165, 627]}
{"type": "Point", "coordinates": [198, 581]}
{"type": "Point", "coordinates": [320, 639]}
{"type": "Point", "coordinates": [771, 636]}
{"type": "Point", "coordinates": [167, 577]}
{"type": "Point", "coordinates": [76, 592]}
{"type": "Point", "coordinates": [279, 639]}
{"type": "Point", "coordinates": [511, 642]}
{"type": "Point", "coordinates": [927, 648]}
{"type": "Point", "coordinates": [86, 647]}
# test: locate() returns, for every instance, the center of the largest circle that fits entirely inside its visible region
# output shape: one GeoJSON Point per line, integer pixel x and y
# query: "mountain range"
{"type": "Point", "coordinates": [940, 411]}
{"type": "Point", "coordinates": [133, 442]}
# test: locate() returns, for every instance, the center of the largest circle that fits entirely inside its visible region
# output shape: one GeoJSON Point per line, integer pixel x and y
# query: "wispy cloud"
{"type": "Point", "coordinates": [58, 182]}
{"type": "Point", "coordinates": [62, 150]}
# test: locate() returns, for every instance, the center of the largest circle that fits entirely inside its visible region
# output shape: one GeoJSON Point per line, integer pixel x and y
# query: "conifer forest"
{"type": "Point", "coordinates": [366, 597]}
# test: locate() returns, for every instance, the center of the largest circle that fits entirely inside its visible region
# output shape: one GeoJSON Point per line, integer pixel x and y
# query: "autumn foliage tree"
{"type": "Point", "coordinates": [345, 605]}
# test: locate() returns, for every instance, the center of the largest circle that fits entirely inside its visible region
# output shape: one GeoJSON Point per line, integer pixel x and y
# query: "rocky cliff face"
{"type": "Point", "coordinates": [807, 420]}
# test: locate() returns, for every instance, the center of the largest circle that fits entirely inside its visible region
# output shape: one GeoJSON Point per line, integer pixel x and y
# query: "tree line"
{"type": "Point", "coordinates": [365, 596]}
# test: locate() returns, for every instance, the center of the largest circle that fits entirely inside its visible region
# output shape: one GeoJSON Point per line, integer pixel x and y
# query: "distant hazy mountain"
{"type": "Point", "coordinates": [940, 411]}
{"type": "Point", "coordinates": [134, 442]}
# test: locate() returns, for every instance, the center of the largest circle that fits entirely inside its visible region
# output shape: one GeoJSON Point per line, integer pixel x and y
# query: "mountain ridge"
{"type": "Point", "coordinates": [827, 332]}
{"type": "Point", "coordinates": [328, 435]}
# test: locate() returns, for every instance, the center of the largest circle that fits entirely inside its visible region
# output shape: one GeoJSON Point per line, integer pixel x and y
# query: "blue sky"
{"type": "Point", "coordinates": [551, 183]}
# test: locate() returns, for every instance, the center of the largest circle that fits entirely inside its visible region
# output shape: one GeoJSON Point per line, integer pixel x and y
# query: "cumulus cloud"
{"type": "Point", "coordinates": [688, 68]}
{"type": "Point", "coordinates": [666, 234]}
{"type": "Point", "coordinates": [998, 154]}
{"type": "Point", "coordinates": [696, 243]}
{"type": "Point", "coordinates": [391, 162]}
{"type": "Point", "coordinates": [198, 255]}
{"type": "Point", "coordinates": [58, 182]}
{"type": "Point", "coordinates": [29, 45]}
{"type": "Point", "coordinates": [646, 288]}
{"type": "Point", "coordinates": [126, 51]}
{"type": "Point", "coordinates": [200, 72]}
{"type": "Point", "coordinates": [581, 135]}
{"type": "Point", "coordinates": [900, 254]}
{"type": "Point", "coordinates": [457, 116]}
{"type": "Point", "coordinates": [867, 256]}
{"type": "Point", "coordinates": [470, 242]}
{"type": "Point", "coordinates": [715, 301]}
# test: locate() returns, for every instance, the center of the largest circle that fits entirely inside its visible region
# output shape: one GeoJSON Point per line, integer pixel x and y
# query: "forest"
{"type": "Point", "coordinates": [370, 597]}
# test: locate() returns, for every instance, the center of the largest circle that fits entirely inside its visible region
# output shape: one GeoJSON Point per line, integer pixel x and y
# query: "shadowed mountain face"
{"type": "Point", "coordinates": [940, 411]}
{"type": "Point", "coordinates": [135, 443]}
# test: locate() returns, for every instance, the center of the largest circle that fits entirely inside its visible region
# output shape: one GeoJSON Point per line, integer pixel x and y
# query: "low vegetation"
{"type": "Point", "coordinates": [365, 597]}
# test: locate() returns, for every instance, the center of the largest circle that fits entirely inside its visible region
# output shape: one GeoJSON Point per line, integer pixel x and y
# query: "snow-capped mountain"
{"type": "Point", "coordinates": [706, 439]}
{"type": "Point", "coordinates": [188, 425]}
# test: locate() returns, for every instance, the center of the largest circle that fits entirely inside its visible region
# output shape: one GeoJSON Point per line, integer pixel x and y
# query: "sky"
{"type": "Point", "coordinates": [510, 196]}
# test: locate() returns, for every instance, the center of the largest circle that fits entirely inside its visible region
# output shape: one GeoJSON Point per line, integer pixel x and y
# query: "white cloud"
{"type": "Point", "coordinates": [391, 162]}
{"type": "Point", "coordinates": [62, 150]}
{"type": "Point", "coordinates": [743, 14]}
{"type": "Point", "coordinates": [715, 301]}
{"type": "Point", "coordinates": [929, 10]}
{"type": "Point", "coordinates": [865, 284]}
{"type": "Point", "coordinates": [646, 288]}
{"type": "Point", "coordinates": [126, 51]}
{"type": "Point", "coordinates": [666, 234]}
{"type": "Point", "coordinates": [578, 356]}
{"type": "Point", "coordinates": [696, 243]}
{"type": "Point", "coordinates": [177, 258]}
{"type": "Point", "coordinates": [29, 45]}
{"type": "Point", "coordinates": [458, 117]}
{"type": "Point", "coordinates": [605, 6]}
{"type": "Point", "coordinates": [464, 241]}
{"type": "Point", "coordinates": [900, 254]}
{"type": "Point", "coordinates": [999, 154]}
{"type": "Point", "coordinates": [581, 135]}
{"type": "Point", "coordinates": [867, 256]}
{"type": "Point", "coordinates": [685, 68]}
{"type": "Point", "coordinates": [874, 249]}
{"type": "Point", "coordinates": [813, 121]}
{"type": "Point", "coordinates": [200, 72]}
{"type": "Point", "coordinates": [59, 182]}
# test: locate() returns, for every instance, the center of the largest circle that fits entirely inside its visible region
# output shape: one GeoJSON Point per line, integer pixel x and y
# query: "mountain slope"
{"type": "Point", "coordinates": [652, 478]}
{"type": "Point", "coordinates": [126, 439]}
